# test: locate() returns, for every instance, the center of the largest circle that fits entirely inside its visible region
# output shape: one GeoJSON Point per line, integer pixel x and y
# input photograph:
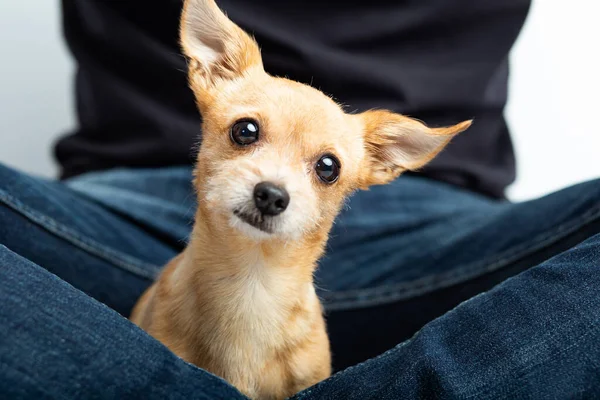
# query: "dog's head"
{"type": "Point", "coordinates": [278, 157]}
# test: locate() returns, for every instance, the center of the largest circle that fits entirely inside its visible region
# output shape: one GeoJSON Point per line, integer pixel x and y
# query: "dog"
{"type": "Point", "coordinates": [277, 160]}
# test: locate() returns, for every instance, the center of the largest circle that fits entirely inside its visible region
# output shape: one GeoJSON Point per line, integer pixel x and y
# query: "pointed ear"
{"type": "Point", "coordinates": [217, 47]}
{"type": "Point", "coordinates": [395, 143]}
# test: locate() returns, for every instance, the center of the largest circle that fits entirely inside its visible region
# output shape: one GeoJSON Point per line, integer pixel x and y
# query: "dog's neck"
{"type": "Point", "coordinates": [248, 280]}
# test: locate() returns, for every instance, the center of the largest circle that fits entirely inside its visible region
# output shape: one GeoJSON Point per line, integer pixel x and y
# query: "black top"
{"type": "Point", "coordinates": [441, 61]}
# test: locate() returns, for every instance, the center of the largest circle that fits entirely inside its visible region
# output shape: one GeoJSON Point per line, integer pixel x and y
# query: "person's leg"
{"type": "Point", "coordinates": [404, 254]}
{"type": "Point", "coordinates": [401, 256]}
{"type": "Point", "coordinates": [106, 234]}
{"type": "Point", "coordinates": [534, 336]}
{"type": "Point", "coordinates": [58, 343]}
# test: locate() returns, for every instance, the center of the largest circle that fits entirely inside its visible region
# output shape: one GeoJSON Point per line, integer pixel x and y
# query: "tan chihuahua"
{"type": "Point", "coordinates": [277, 160]}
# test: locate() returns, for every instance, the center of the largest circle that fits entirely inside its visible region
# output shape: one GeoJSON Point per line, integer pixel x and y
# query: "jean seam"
{"type": "Point", "coordinates": [374, 296]}
{"type": "Point", "coordinates": [92, 247]}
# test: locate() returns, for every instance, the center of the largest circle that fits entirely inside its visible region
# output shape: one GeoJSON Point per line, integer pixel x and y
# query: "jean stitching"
{"type": "Point", "coordinates": [116, 258]}
{"type": "Point", "coordinates": [386, 294]}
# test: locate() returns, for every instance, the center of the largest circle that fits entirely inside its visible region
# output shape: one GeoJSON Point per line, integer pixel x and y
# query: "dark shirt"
{"type": "Point", "coordinates": [442, 61]}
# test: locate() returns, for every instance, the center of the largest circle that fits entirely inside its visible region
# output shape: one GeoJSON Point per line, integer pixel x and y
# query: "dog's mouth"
{"type": "Point", "coordinates": [255, 220]}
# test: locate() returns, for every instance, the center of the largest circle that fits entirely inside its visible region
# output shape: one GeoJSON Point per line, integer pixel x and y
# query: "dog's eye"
{"type": "Point", "coordinates": [328, 168]}
{"type": "Point", "coordinates": [244, 132]}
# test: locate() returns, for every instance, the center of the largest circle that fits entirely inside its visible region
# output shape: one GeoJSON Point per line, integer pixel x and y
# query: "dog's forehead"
{"type": "Point", "coordinates": [292, 110]}
{"type": "Point", "coordinates": [295, 119]}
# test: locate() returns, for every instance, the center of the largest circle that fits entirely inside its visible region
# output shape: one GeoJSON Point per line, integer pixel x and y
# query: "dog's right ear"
{"type": "Point", "coordinates": [217, 47]}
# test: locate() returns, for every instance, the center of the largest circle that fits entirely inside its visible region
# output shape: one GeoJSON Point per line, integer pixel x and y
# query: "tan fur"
{"type": "Point", "coordinates": [238, 302]}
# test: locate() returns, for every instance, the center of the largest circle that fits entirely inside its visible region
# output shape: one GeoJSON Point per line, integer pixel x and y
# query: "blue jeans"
{"type": "Point", "coordinates": [444, 293]}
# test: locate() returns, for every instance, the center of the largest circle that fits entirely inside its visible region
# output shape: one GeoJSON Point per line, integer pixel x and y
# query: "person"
{"type": "Point", "coordinates": [434, 286]}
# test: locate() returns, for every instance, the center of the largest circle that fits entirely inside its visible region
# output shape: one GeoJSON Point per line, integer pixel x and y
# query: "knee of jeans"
{"type": "Point", "coordinates": [10, 227]}
{"type": "Point", "coordinates": [5, 172]}
{"type": "Point", "coordinates": [592, 187]}
{"type": "Point", "coordinates": [584, 195]}
{"type": "Point", "coordinates": [17, 192]}
{"type": "Point", "coordinates": [8, 177]}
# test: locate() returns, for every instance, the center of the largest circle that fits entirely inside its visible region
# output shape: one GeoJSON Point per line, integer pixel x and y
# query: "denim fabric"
{"type": "Point", "coordinates": [534, 336]}
{"type": "Point", "coordinates": [399, 257]}
{"type": "Point", "coordinates": [57, 343]}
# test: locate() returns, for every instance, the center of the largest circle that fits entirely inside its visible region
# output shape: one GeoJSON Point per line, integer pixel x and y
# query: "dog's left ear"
{"type": "Point", "coordinates": [217, 47]}
{"type": "Point", "coordinates": [395, 143]}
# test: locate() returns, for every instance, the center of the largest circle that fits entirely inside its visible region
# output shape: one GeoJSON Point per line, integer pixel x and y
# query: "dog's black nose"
{"type": "Point", "coordinates": [270, 199]}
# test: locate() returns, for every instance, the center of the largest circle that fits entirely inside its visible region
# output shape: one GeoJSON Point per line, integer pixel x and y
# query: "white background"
{"type": "Point", "coordinates": [554, 91]}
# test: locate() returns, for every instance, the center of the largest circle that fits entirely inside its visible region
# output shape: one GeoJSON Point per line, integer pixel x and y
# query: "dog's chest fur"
{"type": "Point", "coordinates": [256, 326]}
